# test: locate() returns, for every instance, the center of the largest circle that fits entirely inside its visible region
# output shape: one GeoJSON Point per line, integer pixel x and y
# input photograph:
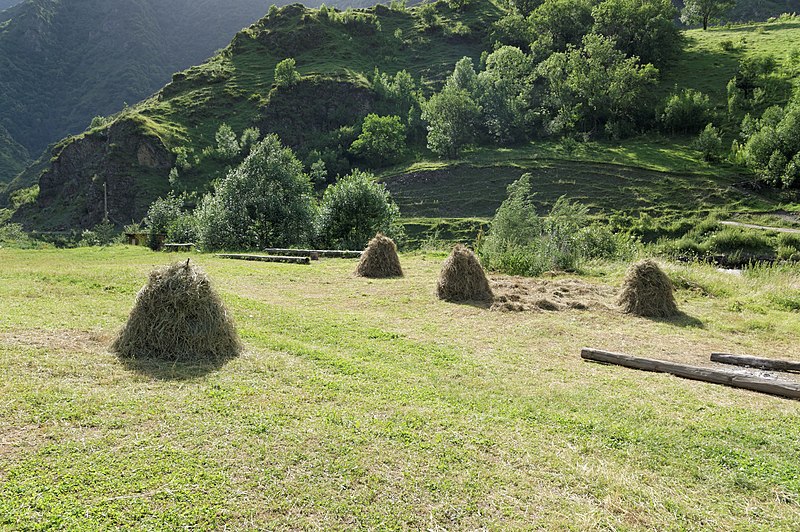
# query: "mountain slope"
{"type": "Point", "coordinates": [335, 52]}
{"type": "Point", "coordinates": [66, 61]}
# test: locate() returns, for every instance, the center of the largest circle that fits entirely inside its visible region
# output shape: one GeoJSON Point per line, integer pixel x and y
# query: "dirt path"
{"type": "Point", "coordinates": [767, 227]}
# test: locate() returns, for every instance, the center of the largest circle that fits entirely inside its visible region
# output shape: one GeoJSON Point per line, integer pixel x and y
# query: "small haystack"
{"type": "Point", "coordinates": [463, 279]}
{"type": "Point", "coordinates": [178, 316]}
{"type": "Point", "coordinates": [380, 259]}
{"type": "Point", "coordinates": [647, 291]}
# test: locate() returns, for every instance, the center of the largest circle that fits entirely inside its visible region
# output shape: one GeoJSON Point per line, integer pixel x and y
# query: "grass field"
{"type": "Point", "coordinates": [370, 404]}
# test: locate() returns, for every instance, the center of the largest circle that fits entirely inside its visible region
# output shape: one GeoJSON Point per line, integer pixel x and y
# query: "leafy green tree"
{"type": "Point", "coordinates": [227, 144]}
{"type": "Point", "coordinates": [286, 73]}
{"type": "Point", "coordinates": [564, 21]}
{"type": "Point", "coordinates": [463, 76]}
{"type": "Point", "coordinates": [451, 116]}
{"type": "Point", "coordinates": [704, 11]}
{"type": "Point", "coordinates": [264, 202]}
{"type": "Point", "coordinates": [709, 143]}
{"type": "Point", "coordinates": [353, 210]}
{"type": "Point", "coordinates": [161, 213]}
{"type": "Point", "coordinates": [640, 28]}
{"type": "Point", "coordinates": [593, 86]}
{"type": "Point", "coordinates": [382, 140]}
{"type": "Point", "coordinates": [772, 150]}
{"type": "Point", "coordinates": [500, 93]}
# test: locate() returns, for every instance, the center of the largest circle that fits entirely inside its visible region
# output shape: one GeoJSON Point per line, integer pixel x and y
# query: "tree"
{"type": "Point", "coordinates": [704, 11]}
{"type": "Point", "coordinates": [353, 210]}
{"type": "Point", "coordinates": [227, 145]}
{"type": "Point", "coordinates": [709, 143]}
{"type": "Point", "coordinates": [564, 21]}
{"type": "Point", "coordinates": [382, 140]}
{"type": "Point", "coordinates": [640, 28]}
{"type": "Point", "coordinates": [286, 73]}
{"type": "Point", "coordinates": [686, 112]}
{"type": "Point", "coordinates": [500, 89]}
{"type": "Point", "coordinates": [264, 202]}
{"type": "Point", "coordinates": [161, 213]}
{"type": "Point", "coordinates": [451, 116]}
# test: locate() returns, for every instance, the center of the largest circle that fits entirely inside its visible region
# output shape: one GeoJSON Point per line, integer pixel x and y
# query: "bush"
{"type": "Point", "coordinates": [354, 210]}
{"type": "Point", "coordinates": [709, 143]}
{"type": "Point", "coordinates": [183, 229]}
{"type": "Point", "coordinates": [522, 243]}
{"type": "Point", "coordinates": [162, 213]}
{"type": "Point", "coordinates": [686, 112]}
{"type": "Point", "coordinates": [286, 73]}
{"type": "Point", "coordinates": [102, 234]}
{"type": "Point", "coordinates": [227, 145]}
{"type": "Point", "coordinates": [264, 202]}
{"type": "Point", "coordinates": [382, 140]}
{"type": "Point", "coordinates": [735, 239]}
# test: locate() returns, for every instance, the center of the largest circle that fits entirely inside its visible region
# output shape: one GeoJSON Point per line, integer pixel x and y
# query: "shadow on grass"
{"type": "Point", "coordinates": [172, 370]}
{"type": "Point", "coordinates": [681, 320]}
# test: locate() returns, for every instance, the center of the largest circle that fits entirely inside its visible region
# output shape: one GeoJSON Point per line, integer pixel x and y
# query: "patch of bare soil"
{"type": "Point", "coordinates": [64, 340]}
{"type": "Point", "coordinates": [522, 294]}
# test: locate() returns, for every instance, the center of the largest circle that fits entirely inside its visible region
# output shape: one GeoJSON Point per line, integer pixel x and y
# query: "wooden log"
{"type": "Point", "coordinates": [728, 378]}
{"type": "Point", "coordinates": [756, 362]}
{"type": "Point", "coordinates": [188, 246]}
{"type": "Point", "coordinates": [266, 258]}
{"type": "Point", "coordinates": [327, 253]}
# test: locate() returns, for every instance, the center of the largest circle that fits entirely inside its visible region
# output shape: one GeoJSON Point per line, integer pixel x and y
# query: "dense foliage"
{"type": "Point", "coordinates": [354, 210]}
{"type": "Point", "coordinates": [772, 145]}
{"type": "Point", "coordinates": [264, 202]}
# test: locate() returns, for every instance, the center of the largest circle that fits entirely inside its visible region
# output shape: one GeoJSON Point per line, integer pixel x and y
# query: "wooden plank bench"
{"type": "Point", "coordinates": [327, 253]}
{"type": "Point", "coordinates": [266, 258]}
{"type": "Point", "coordinates": [188, 246]}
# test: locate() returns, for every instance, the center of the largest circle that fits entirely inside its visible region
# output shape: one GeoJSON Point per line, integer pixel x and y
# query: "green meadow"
{"type": "Point", "coordinates": [371, 404]}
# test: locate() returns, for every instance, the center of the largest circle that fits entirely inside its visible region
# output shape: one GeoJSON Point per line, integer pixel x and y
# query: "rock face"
{"type": "Point", "coordinates": [133, 165]}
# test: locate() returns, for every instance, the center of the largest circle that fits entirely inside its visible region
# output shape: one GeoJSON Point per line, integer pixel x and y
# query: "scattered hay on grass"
{"type": "Point", "coordinates": [380, 260]}
{"type": "Point", "coordinates": [462, 278]}
{"type": "Point", "coordinates": [647, 292]}
{"type": "Point", "coordinates": [178, 316]}
{"type": "Point", "coordinates": [525, 294]}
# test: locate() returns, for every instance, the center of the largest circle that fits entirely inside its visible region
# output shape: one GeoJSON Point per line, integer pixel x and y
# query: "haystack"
{"type": "Point", "coordinates": [178, 316]}
{"type": "Point", "coordinates": [380, 259]}
{"type": "Point", "coordinates": [462, 278]}
{"type": "Point", "coordinates": [647, 291]}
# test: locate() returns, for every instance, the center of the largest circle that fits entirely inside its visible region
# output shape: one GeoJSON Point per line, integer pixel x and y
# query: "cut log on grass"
{"type": "Point", "coordinates": [756, 362]}
{"type": "Point", "coordinates": [728, 378]}
{"type": "Point", "coordinates": [327, 253]}
{"type": "Point", "coordinates": [266, 258]}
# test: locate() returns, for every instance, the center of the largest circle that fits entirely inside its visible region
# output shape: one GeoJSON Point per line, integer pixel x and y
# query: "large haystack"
{"type": "Point", "coordinates": [380, 259]}
{"type": "Point", "coordinates": [462, 278]}
{"type": "Point", "coordinates": [647, 291]}
{"type": "Point", "coordinates": [178, 316]}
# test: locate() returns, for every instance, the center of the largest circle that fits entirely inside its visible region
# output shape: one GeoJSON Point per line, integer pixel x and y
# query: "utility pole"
{"type": "Point", "coordinates": [105, 202]}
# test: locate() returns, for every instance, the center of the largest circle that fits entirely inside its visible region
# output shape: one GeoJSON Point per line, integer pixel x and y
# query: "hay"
{"type": "Point", "coordinates": [647, 291]}
{"type": "Point", "coordinates": [380, 259]}
{"type": "Point", "coordinates": [178, 316]}
{"type": "Point", "coordinates": [462, 278]}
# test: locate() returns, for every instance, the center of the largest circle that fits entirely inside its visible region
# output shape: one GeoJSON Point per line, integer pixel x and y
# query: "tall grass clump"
{"type": "Point", "coordinates": [520, 242]}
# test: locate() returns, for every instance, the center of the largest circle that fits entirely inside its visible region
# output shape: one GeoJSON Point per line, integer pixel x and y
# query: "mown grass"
{"type": "Point", "coordinates": [370, 404]}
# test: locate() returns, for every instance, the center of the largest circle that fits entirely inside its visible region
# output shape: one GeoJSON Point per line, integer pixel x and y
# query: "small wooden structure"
{"type": "Point", "coordinates": [137, 239]}
{"type": "Point", "coordinates": [728, 378]}
{"type": "Point", "coordinates": [266, 258]}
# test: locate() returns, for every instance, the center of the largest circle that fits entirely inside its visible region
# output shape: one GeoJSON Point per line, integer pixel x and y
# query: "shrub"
{"type": "Point", "coordinates": [162, 213]}
{"type": "Point", "coordinates": [353, 210]}
{"type": "Point", "coordinates": [709, 143]}
{"type": "Point", "coordinates": [735, 239]}
{"type": "Point", "coordinates": [264, 202]}
{"type": "Point", "coordinates": [227, 145]}
{"type": "Point", "coordinates": [286, 73]}
{"type": "Point", "coordinates": [183, 229]}
{"type": "Point", "coordinates": [102, 234]}
{"type": "Point", "coordinates": [382, 140]}
{"type": "Point", "coordinates": [686, 112]}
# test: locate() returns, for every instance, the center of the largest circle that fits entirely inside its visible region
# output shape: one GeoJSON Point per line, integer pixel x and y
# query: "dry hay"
{"type": "Point", "coordinates": [462, 278]}
{"type": "Point", "coordinates": [380, 259]}
{"type": "Point", "coordinates": [647, 291]}
{"type": "Point", "coordinates": [178, 316]}
{"type": "Point", "coordinates": [524, 294]}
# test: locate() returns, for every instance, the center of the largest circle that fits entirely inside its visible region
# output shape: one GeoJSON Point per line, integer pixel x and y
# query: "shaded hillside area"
{"type": "Point", "coordinates": [65, 61]}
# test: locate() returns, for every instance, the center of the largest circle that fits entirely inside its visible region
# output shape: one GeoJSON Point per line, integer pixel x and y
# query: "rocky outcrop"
{"type": "Point", "coordinates": [133, 165]}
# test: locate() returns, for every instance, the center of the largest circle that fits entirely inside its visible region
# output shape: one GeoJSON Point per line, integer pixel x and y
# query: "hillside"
{"type": "Point", "coordinates": [134, 154]}
{"type": "Point", "coordinates": [5, 4]}
{"type": "Point", "coordinates": [336, 53]}
{"type": "Point", "coordinates": [67, 61]}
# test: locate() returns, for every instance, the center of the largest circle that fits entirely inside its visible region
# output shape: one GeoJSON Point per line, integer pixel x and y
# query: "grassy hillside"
{"type": "Point", "coordinates": [361, 404]}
